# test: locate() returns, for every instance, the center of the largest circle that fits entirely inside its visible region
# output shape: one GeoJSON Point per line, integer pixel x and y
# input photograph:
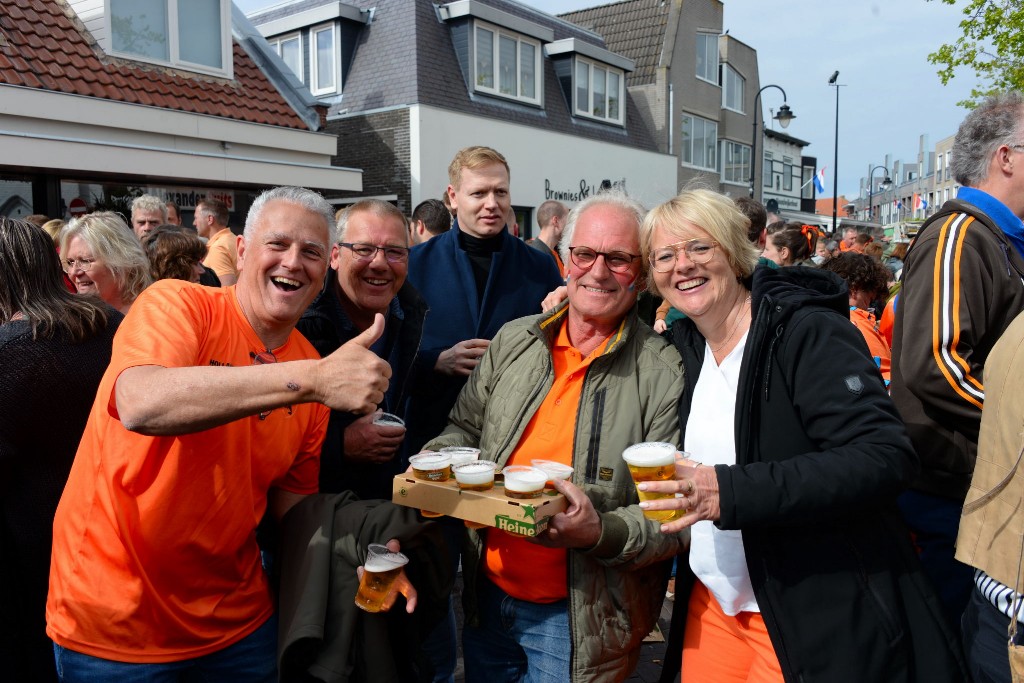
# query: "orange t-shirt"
{"type": "Point", "coordinates": [154, 541]}
{"type": "Point", "coordinates": [222, 253]}
{"type": "Point", "coordinates": [523, 569]}
{"type": "Point", "coordinates": [877, 345]}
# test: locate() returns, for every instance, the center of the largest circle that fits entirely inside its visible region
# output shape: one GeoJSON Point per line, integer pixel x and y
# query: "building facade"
{"type": "Point", "coordinates": [414, 82]}
{"type": "Point", "coordinates": [102, 101]}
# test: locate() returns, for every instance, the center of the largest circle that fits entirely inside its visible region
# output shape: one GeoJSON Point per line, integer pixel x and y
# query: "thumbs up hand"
{"type": "Point", "coordinates": [353, 379]}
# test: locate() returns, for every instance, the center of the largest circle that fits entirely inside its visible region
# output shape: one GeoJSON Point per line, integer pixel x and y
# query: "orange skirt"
{"type": "Point", "coordinates": [718, 648]}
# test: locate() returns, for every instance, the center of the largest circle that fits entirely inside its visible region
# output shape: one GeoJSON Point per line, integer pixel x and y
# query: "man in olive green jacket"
{"type": "Point", "coordinates": [577, 385]}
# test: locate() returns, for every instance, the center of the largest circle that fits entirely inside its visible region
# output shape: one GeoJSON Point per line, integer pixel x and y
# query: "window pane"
{"type": "Point", "coordinates": [711, 144]}
{"type": "Point", "coordinates": [613, 95]}
{"type": "Point", "coordinates": [699, 150]}
{"type": "Point", "coordinates": [324, 60]}
{"type": "Point", "coordinates": [766, 171]}
{"type": "Point", "coordinates": [291, 55]}
{"type": "Point", "coordinates": [484, 58]}
{"type": "Point", "coordinates": [527, 70]}
{"type": "Point", "coordinates": [582, 87]}
{"type": "Point", "coordinates": [686, 139]}
{"type": "Point", "coordinates": [507, 65]}
{"type": "Point", "coordinates": [199, 35]}
{"type": "Point", "coordinates": [139, 27]}
{"type": "Point", "coordinates": [599, 92]}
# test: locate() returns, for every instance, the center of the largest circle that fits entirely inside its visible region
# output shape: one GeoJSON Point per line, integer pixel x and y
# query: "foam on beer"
{"type": "Point", "coordinates": [474, 473]}
{"type": "Point", "coordinates": [461, 454]}
{"type": "Point", "coordinates": [384, 563]}
{"type": "Point", "coordinates": [521, 479]}
{"type": "Point", "coordinates": [554, 470]}
{"type": "Point", "coordinates": [650, 454]}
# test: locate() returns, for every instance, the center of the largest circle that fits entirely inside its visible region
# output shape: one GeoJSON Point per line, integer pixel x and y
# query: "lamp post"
{"type": "Point", "coordinates": [886, 184]}
{"type": "Point", "coordinates": [784, 116]}
{"type": "Point", "coordinates": [835, 161]}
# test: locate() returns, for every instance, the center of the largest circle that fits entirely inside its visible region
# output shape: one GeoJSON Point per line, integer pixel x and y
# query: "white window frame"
{"type": "Point", "coordinates": [712, 76]}
{"type": "Point", "coordinates": [520, 39]}
{"type": "Point", "coordinates": [727, 90]}
{"type": "Point", "coordinates": [744, 168]}
{"type": "Point", "coordinates": [587, 109]}
{"type": "Point", "coordinates": [275, 43]}
{"type": "Point", "coordinates": [173, 47]}
{"type": "Point", "coordinates": [714, 148]}
{"type": "Point", "coordinates": [315, 87]}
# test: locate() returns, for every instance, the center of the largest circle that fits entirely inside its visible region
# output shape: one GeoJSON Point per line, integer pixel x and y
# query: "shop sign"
{"type": "Point", "coordinates": [582, 190]}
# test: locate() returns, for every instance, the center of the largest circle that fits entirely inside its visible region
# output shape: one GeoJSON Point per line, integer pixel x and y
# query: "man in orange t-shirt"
{"type": "Point", "coordinates": [211, 412]}
{"type": "Point", "coordinates": [576, 386]}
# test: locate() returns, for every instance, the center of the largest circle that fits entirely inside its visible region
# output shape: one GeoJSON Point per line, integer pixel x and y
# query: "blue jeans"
{"type": "Point", "coordinates": [985, 636]}
{"type": "Point", "coordinates": [934, 522]}
{"type": "Point", "coordinates": [517, 640]}
{"type": "Point", "coordinates": [251, 660]}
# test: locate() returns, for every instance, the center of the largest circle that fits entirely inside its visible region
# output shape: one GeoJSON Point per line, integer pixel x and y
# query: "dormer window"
{"type": "Point", "coordinates": [599, 91]}
{"type": "Point", "coordinates": [289, 49]}
{"type": "Point", "coordinates": [324, 66]}
{"type": "Point", "coordinates": [188, 34]}
{"type": "Point", "coordinates": [506, 64]}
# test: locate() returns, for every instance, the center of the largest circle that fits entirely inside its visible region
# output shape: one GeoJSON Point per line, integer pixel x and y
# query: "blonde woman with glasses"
{"type": "Point", "coordinates": [102, 257]}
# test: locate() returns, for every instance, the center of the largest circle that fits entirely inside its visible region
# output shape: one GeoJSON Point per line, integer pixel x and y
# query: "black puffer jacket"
{"type": "Point", "coordinates": [821, 454]}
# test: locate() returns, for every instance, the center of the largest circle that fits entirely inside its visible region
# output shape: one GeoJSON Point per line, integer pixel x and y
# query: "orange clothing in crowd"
{"type": "Point", "coordinates": [877, 345]}
{"type": "Point", "coordinates": [887, 320]}
{"type": "Point", "coordinates": [222, 253]}
{"type": "Point", "coordinates": [154, 544]}
{"type": "Point", "coordinates": [523, 569]}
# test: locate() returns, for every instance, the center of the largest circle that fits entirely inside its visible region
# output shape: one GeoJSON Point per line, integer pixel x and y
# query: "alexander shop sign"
{"type": "Point", "coordinates": [578, 192]}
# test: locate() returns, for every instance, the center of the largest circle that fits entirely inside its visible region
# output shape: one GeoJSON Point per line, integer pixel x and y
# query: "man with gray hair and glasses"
{"type": "Point", "coordinates": [963, 283]}
{"type": "Point", "coordinates": [211, 412]}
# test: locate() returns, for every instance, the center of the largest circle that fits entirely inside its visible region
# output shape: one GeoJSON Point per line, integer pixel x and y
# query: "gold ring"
{"type": "Point", "coordinates": [689, 487]}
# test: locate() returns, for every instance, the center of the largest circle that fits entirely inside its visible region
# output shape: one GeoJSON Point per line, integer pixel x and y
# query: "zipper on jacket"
{"type": "Point", "coordinates": [771, 354]}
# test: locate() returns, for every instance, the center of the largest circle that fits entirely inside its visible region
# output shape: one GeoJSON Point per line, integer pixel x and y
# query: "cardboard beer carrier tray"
{"type": "Point", "coordinates": [526, 517]}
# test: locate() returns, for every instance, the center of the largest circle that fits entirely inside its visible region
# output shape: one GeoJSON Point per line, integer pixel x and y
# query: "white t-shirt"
{"type": "Point", "coordinates": [717, 556]}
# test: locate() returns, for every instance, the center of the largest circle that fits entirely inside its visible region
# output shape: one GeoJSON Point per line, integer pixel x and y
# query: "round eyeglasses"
{"type": "Point", "coordinates": [699, 251]}
{"type": "Point", "coordinates": [616, 261]}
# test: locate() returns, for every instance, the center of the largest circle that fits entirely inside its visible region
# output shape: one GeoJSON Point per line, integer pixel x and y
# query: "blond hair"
{"type": "Point", "coordinates": [473, 158]}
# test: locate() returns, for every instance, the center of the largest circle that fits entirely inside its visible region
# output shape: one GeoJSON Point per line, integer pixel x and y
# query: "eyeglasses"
{"type": "Point", "coordinates": [368, 252]}
{"type": "Point", "coordinates": [85, 264]}
{"type": "Point", "coordinates": [698, 250]}
{"type": "Point", "coordinates": [616, 261]}
{"type": "Point", "coordinates": [263, 358]}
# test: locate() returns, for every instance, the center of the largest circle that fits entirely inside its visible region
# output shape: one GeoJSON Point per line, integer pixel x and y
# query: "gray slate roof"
{"type": "Point", "coordinates": [632, 28]}
{"type": "Point", "coordinates": [406, 56]}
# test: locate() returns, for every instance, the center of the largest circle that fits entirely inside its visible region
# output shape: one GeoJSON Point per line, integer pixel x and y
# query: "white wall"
{"type": "Point", "coordinates": [541, 162]}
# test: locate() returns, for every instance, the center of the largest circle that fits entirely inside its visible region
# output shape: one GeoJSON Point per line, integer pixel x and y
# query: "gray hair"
{"type": "Point", "coordinates": [148, 202]}
{"type": "Point", "coordinates": [113, 242]}
{"type": "Point", "coordinates": [614, 198]}
{"type": "Point", "coordinates": [307, 199]}
{"type": "Point", "coordinates": [378, 207]}
{"type": "Point", "coordinates": [993, 123]}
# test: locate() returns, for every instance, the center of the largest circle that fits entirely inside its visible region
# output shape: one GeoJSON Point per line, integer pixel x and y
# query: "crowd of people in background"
{"type": "Point", "coordinates": [184, 408]}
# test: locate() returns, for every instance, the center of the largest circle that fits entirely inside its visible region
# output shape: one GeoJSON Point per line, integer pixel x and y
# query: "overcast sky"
{"type": "Point", "coordinates": [891, 94]}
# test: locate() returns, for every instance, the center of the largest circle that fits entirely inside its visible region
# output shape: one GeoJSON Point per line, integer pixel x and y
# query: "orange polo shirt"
{"type": "Point", "coordinates": [519, 567]}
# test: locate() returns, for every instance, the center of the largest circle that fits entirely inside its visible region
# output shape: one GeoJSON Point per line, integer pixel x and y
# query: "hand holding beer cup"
{"type": "Point", "coordinates": [383, 578]}
{"type": "Point", "coordinates": [692, 495]}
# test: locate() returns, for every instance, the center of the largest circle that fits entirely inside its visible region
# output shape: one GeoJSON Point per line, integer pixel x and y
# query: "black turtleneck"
{"type": "Point", "coordinates": [480, 250]}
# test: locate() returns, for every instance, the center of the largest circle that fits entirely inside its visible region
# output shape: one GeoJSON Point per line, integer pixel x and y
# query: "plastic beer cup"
{"type": "Point", "coordinates": [388, 420]}
{"type": "Point", "coordinates": [461, 454]}
{"type": "Point", "coordinates": [653, 461]}
{"type": "Point", "coordinates": [430, 466]}
{"type": "Point", "coordinates": [524, 482]}
{"type": "Point", "coordinates": [475, 475]}
{"type": "Point", "coordinates": [380, 570]}
{"type": "Point", "coordinates": [554, 470]}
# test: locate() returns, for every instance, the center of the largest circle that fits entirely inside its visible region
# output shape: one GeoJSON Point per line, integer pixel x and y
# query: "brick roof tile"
{"type": "Point", "coordinates": [51, 51]}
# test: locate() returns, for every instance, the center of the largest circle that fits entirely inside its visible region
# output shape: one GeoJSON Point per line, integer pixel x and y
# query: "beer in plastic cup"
{"type": "Point", "coordinates": [524, 482]}
{"type": "Point", "coordinates": [475, 475]}
{"type": "Point", "coordinates": [430, 466]}
{"type": "Point", "coordinates": [461, 454]}
{"type": "Point", "coordinates": [388, 420]}
{"type": "Point", "coordinates": [554, 470]}
{"type": "Point", "coordinates": [380, 570]}
{"type": "Point", "coordinates": [653, 461]}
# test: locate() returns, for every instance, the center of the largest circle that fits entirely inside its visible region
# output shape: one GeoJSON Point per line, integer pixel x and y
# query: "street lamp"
{"type": "Point", "coordinates": [784, 116]}
{"type": "Point", "coordinates": [835, 161]}
{"type": "Point", "coordinates": [886, 184]}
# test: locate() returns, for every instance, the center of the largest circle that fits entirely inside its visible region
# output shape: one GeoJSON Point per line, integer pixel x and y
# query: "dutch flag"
{"type": "Point", "coordinates": [819, 181]}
